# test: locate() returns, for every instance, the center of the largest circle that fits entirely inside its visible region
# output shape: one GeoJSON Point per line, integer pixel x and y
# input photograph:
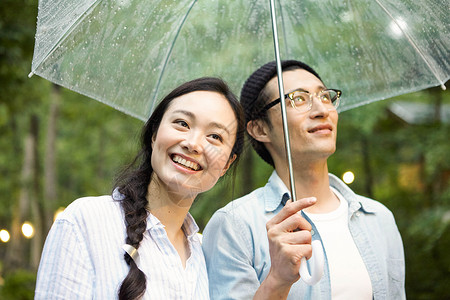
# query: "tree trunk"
{"type": "Point", "coordinates": [101, 154]}
{"type": "Point", "coordinates": [366, 165]}
{"type": "Point", "coordinates": [437, 97]}
{"type": "Point", "coordinates": [36, 209]}
{"type": "Point", "coordinates": [50, 182]}
{"type": "Point", "coordinates": [17, 246]}
{"type": "Point", "coordinates": [435, 183]}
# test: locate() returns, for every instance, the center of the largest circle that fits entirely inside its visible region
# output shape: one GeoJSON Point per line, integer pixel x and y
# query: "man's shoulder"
{"type": "Point", "coordinates": [368, 204]}
{"type": "Point", "coordinates": [247, 211]}
{"type": "Point", "coordinates": [267, 197]}
{"type": "Point", "coordinates": [252, 200]}
{"type": "Point", "coordinates": [238, 221]}
{"type": "Point", "coordinates": [374, 205]}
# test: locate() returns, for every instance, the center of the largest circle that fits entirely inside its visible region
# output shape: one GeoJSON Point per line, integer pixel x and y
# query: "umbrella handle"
{"type": "Point", "coordinates": [317, 262]}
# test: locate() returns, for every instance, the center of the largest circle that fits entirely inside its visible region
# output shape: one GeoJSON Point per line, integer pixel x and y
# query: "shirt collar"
{"type": "Point", "coordinates": [116, 195]}
{"type": "Point", "coordinates": [189, 226]}
{"type": "Point", "coordinates": [354, 204]}
{"type": "Point", "coordinates": [277, 193]}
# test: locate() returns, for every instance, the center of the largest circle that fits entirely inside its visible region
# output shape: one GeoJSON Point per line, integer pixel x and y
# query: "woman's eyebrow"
{"type": "Point", "coordinates": [220, 126]}
{"type": "Point", "coordinates": [212, 124]}
{"type": "Point", "coordinates": [185, 112]}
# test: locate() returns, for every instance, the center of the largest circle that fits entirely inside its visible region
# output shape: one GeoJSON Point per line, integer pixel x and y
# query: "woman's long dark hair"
{"type": "Point", "coordinates": [133, 182]}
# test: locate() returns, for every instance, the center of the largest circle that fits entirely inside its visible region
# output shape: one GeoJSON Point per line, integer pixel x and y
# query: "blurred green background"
{"type": "Point", "coordinates": [56, 146]}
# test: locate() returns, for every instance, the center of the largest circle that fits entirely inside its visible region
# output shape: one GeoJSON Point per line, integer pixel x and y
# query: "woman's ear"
{"type": "Point", "coordinates": [227, 166]}
{"type": "Point", "coordinates": [153, 139]}
{"type": "Point", "coordinates": [258, 130]}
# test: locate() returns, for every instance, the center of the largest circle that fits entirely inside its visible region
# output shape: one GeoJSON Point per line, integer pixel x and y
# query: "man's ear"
{"type": "Point", "coordinates": [258, 129]}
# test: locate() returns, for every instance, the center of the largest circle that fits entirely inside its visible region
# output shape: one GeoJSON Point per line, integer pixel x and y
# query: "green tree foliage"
{"type": "Point", "coordinates": [18, 285]}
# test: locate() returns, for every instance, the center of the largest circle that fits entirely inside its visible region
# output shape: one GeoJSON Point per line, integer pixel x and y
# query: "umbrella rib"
{"type": "Point", "coordinates": [413, 44]}
{"type": "Point", "coordinates": [64, 36]}
{"type": "Point", "coordinates": [283, 26]}
{"type": "Point", "coordinates": [169, 52]}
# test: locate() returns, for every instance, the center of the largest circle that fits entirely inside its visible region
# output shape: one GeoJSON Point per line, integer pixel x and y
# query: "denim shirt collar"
{"type": "Point", "coordinates": [276, 193]}
{"type": "Point", "coordinates": [355, 202]}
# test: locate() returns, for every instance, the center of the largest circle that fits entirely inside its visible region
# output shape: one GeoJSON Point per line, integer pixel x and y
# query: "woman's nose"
{"type": "Point", "coordinates": [193, 143]}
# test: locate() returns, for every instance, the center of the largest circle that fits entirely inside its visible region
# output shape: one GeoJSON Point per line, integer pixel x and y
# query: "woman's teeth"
{"type": "Point", "coordinates": [190, 164]}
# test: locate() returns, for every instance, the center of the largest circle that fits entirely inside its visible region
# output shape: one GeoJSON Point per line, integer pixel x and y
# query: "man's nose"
{"type": "Point", "coordinates": [318, 108]}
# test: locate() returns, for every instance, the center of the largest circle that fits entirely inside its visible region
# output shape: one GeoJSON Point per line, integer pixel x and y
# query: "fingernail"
{"type": "Point", "coordinates": [312, 200]}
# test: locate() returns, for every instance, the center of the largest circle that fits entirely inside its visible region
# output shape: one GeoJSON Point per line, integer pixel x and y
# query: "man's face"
{"type": "Point", "coordinates": [312, 133]}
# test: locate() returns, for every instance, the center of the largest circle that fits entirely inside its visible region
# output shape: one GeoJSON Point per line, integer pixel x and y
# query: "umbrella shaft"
{"type": "Point", "coordinates": [283, 100]}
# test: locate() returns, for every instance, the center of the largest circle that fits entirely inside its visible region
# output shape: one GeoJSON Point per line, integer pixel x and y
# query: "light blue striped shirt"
{"type": "Point", "coordinates": [83, 256]}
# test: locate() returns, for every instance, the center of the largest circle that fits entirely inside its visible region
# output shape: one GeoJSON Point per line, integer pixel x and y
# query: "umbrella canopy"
{"type": "Point", "coordinates": [129, 54]}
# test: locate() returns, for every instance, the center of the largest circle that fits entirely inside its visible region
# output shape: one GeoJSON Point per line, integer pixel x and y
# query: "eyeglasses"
{"type": "Point", "coordinates": [302, 100]}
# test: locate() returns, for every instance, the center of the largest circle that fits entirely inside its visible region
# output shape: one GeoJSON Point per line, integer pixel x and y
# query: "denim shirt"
{"type": "Point", "coordinates": [237, 255]}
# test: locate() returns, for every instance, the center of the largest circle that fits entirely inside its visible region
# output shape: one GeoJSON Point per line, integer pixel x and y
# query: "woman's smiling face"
{"type": "Point", "coordinates": [192, 147]}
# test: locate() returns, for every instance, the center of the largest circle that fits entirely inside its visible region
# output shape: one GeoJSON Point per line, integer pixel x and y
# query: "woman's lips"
{"type": "Point", "coordinates": [186, 162]}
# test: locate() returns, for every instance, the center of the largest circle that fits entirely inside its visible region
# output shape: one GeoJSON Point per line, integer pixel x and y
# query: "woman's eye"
{"type": "Point", "coordinates": [182, 123]}
{"type": "Point", "coordinates": [216, 137]}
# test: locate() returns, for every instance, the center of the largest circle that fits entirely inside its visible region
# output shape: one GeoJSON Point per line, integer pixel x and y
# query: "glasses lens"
{"type": "Point", "coordinates": [329, 97]}
{"type": "Point", "coordinates": [299, 99]}
{"type": "Point", "coordinates": [302, 101]}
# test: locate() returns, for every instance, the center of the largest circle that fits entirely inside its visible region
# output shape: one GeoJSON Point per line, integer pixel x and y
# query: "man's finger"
{"type": "Point", "coordinates": [294, 253]}
{"type": "Point", "coordinates": [301, 237]}
{"type": "Point", "coordinates": [291, 208]}
{"type": "Point", "coordinates": [294, 222]}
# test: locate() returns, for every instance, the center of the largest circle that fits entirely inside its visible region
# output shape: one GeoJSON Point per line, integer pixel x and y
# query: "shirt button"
{"type": "Point", "coordinates": [312, 232]}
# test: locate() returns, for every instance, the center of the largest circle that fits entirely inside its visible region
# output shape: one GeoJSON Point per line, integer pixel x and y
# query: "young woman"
{"type": "Point", "coordinates": [141, 242]}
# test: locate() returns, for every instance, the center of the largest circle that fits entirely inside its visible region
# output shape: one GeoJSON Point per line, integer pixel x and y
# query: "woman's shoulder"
{"type": "Point", "coordinates": [96, 207]}
{"type": "Point", "coordinates": [92, 202]}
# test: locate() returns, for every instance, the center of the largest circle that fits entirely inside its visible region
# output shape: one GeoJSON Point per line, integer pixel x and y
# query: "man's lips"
{"type": "Point", "coordinates": [186, 162]}
{"type": "Point", "coordinates": [324, 127]}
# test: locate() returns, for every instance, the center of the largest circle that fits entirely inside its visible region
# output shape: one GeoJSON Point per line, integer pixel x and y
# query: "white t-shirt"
{"type": "Point", "coordinates": [348, 274]}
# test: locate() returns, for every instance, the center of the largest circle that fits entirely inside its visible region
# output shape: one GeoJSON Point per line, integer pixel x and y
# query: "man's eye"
{"type": "Point", "coordinates": [300, 98]}
{"type": "Point", "coordinates": [326, 97]}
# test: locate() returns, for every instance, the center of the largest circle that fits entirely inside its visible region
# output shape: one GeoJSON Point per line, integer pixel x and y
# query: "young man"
{"type": "Point", "coordinates": [254, 245]}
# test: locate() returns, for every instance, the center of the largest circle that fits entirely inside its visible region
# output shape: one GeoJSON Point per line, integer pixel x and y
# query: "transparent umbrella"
{"type": "Point", "coordinates": [129, 53]}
